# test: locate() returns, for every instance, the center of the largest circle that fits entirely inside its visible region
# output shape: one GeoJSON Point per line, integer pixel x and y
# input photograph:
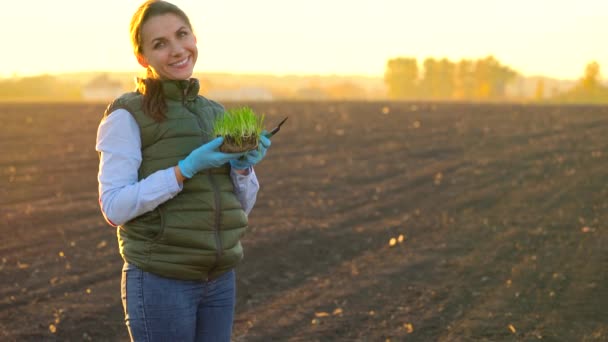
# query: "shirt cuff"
{"type": "Point", "coordinates": [173, 186]}
{"type": "Point", "coordinates": [237, 175]}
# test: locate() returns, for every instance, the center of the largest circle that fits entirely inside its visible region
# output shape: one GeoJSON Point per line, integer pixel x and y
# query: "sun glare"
{"type": "Point", "coordinates": [542, 37]}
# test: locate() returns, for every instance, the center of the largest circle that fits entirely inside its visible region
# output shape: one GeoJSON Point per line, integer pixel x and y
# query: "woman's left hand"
{"type": "Point", "coordinates": [253, 157]}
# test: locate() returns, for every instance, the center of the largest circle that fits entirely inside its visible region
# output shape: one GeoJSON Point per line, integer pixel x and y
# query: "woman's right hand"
{"type": "Point", "coordinates": [206, 157]}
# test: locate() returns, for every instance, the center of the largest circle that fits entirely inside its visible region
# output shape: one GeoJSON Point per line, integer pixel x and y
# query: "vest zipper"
{"type": "Point", "coordinates": [216, 195]}
{"type": "Point", "coordinates": [216, 225]}
{"type": "Point", "coordinates": [186, 92]}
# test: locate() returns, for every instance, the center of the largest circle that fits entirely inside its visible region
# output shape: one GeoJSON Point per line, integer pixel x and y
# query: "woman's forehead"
{"type": "Point", "coordinates": [162, 26]}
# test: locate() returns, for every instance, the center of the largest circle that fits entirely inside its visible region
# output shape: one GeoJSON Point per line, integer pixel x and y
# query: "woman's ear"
{"type": "Point", "coordinates": [142, 61]}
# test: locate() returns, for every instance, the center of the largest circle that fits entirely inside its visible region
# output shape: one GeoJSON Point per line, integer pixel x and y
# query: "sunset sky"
{"type": "Point", "coordinates": [549, 37]}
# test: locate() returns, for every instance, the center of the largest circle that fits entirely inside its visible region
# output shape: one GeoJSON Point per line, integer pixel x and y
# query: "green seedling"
{"type": "Point", "coordinates": [241, 129]}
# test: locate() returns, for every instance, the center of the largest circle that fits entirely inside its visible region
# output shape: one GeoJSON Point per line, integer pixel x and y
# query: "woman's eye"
{"type": "Point", "coordinates": [182, 33]}
{"type": "Point", "coordinates": [159, 45]}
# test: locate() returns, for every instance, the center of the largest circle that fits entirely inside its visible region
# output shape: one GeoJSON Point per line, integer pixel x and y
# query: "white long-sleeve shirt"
{"type": "Point", "coordinates": [122, 196]}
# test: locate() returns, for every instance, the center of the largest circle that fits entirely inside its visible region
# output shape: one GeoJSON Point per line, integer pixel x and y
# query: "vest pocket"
{"type": "Point", "coordinates": [160, 233]}
{"type": "Point", "coordinates": [147, 227]}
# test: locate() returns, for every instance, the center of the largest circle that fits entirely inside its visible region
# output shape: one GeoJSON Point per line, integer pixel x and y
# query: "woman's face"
{"type": "Point", "coordinates": [168, 47]}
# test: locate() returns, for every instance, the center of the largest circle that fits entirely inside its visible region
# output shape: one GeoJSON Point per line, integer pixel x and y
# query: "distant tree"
{"type": "Point", "coordinates": [491, 78]}
{"type": "Point", "coordinates": [401, 78]}
{"type": "Point", "coordinates": [464, 80]}
{"type": "Point", "coordinates": [588, 89]}
{"type": "Point", "coordinates": [438, 80]}
{"type": "Point", "coordinates": [502, 75]}
{"type": "Point", "coordinates": [591, 78]}
{"type": "Point", "coordinates": [482, 72]}
{"type": "Point", "coordinates": [445, 71]}
{"type": "Point", "coordinates": [429, 82]}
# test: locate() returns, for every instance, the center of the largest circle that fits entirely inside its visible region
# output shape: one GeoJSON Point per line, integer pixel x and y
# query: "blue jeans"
{"type": "Point", "coordinates": [164, 309]}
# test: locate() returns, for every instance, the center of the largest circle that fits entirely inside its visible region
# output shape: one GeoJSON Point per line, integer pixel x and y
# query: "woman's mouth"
{"type": "Point", "coordinates": [181, 63]}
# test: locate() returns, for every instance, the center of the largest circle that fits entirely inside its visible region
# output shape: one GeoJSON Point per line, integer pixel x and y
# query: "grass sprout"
{"type": "Point", "coordinates": [241, 124]}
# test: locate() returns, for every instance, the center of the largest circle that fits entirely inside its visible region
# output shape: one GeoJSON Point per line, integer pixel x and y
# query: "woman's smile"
{"type": "Point", "coordinates": [181, 63]}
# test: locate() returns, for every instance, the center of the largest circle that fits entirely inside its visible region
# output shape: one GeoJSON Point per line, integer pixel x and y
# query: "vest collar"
{"type": "Point", "coordinates": [181, 89]}
{"type": "Point", "coordinates": [178, 90]}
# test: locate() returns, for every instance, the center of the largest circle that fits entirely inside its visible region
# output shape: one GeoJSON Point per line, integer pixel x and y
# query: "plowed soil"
{"type": "Point", "coordinates": [376, 221]}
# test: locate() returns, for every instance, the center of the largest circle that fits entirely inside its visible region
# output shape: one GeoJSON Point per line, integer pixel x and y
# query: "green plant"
{"type": "Point", "coordinates": [240, 127]}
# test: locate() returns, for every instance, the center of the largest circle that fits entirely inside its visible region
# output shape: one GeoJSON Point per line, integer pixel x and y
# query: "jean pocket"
{"type": "Point", "coordinates": [227, 277]}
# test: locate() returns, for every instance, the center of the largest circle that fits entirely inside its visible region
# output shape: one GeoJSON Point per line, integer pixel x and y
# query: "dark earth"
{"type": "Point", "coordinates": [376, 221]}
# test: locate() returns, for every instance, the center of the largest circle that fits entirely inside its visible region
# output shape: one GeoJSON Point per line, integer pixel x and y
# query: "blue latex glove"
{"type": "Point", "coordinates": [206, 157]}
{"type": "Point", "coordinates": [254, 156]}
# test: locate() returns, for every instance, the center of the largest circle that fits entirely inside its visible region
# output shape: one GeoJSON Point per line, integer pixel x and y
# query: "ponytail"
{"type": "Point", "coordinates": [154, 104]}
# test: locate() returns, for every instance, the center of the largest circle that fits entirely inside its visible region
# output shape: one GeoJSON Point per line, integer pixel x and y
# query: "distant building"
{"type": "Point", "coordinates": [311, 93]}
{"type": "Point", "coordinates": [240, 94]}
{"type": "Point", "coordinates": [526, 87]}
{"type": "Point", "coordinates": [102, 88]}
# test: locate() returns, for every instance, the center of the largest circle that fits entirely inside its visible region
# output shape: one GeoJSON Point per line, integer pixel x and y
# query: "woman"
{"type": "Point", "coordinates": [179, 204]}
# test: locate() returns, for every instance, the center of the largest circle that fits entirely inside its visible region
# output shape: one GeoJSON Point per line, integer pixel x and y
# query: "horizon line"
{"type": "Point", "coordinates": [248, 73]}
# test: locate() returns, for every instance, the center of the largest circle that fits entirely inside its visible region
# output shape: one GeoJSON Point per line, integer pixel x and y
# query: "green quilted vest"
{"type": "Point", "coordinates": [195, 235]}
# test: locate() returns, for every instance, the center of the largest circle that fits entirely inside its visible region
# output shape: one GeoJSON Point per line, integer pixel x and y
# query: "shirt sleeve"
{"type": "Point", "coordinates": [122, 196]}
{"type": "Point", "coordinates": [246, 188]}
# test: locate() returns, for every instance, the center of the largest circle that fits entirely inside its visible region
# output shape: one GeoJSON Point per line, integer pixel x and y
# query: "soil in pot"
{"type": "Point", "coordinates": [231, 146]}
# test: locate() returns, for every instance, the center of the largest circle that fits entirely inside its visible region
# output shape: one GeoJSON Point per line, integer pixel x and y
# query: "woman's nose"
{"type": "Point", "coordinates": [177, 49]}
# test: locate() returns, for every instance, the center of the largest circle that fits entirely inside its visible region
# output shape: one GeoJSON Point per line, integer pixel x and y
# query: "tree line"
{"type": "Point", "coordinates": [440, 79]}
{"type": "Point", "coordinates": [41, 87]}
{"type": "Point", "coordinates": [484, 79]}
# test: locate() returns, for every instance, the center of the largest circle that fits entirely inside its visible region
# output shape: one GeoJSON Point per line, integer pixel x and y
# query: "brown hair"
{"type": "Point", "coordinates": [154, 103]}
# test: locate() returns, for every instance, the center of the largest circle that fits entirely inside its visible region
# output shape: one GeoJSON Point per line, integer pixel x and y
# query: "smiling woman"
{"type": "Point", "coordinates": [179, 203]}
